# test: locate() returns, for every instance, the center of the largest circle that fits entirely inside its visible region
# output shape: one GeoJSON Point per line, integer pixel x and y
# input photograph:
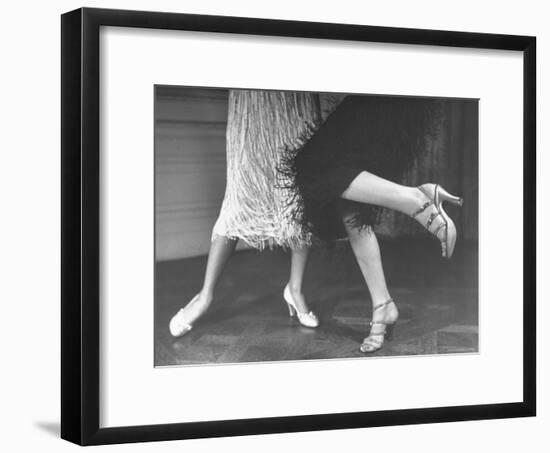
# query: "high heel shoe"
{"type": "Point", "coordinates": [371, 344]}
{"type": "Point", "coordinates": [306, 319]}
{"type": "Point", "coordinates": [178, 325]}
{"type": "Point", "coordinates": [439, 196]}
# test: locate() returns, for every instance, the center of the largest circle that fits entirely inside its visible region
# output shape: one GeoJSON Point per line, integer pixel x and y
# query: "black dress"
{"type": "Point", "coordinates": [380, 134]}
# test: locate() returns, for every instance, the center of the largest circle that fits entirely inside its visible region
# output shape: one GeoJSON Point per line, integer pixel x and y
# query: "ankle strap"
{"type": "Point", "coordinates": [425, 192]}
{"type": "Point", "coordinates": [422, 209]}
{"type": "Point", "coordinates": [425, 205]}
{"type": "Point", "coordinates": [383, 304]}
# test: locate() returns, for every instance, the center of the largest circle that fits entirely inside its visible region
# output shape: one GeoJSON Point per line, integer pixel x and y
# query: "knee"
{"type": "Point", "coordinates": [363, 233]}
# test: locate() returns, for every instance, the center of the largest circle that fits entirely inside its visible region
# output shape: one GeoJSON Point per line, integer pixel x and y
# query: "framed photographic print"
{"type": "Point", "coordinates": [266, 224]}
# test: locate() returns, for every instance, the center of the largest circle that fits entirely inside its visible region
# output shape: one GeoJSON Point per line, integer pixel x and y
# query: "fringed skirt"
{"type": "Point", "coordinates": [379, 134]}
{"type": "Point", "coordinates": [261, 126]}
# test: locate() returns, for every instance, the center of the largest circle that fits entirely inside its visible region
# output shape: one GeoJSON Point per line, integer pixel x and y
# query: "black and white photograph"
{"type": "Point", "coordinates": [293, 225]}
{"type": "Point", "coordinates": [276, 226]}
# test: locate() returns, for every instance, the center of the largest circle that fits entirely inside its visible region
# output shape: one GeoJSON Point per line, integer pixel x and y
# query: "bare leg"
{"type": "Point", "coordinates": [367, 252]}
{"type": "Point", "coordinates": [298, 263]}
{"type": "Point", "coordinates": [221, 250]}
{"type": "Point", "coordinates": [371, 189]}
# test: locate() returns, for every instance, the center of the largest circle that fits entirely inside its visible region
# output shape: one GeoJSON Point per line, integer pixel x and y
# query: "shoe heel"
{"type": "Point", "coordinates": [446, 196]}
{"type": "Point", "coordinates": [291, 310]}
{"type": "Point", "coordinates": [389, 332]}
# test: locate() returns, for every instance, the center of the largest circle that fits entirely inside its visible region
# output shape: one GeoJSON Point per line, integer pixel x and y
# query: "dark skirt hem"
{"type": "Point", "coordinates": [380, 134]}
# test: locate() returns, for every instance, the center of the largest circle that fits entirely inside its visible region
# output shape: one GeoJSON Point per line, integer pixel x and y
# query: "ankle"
{"type": "Point", "coordinates": [294, 288]}
{"type": "Point", "coordinates": [206, 296]}
{"type": "Point", "coordinates": [388, 312]}
{"type": "Point", "coordinates": [413, 200]}
{"type": "Point", "coordinates": [381, 300]}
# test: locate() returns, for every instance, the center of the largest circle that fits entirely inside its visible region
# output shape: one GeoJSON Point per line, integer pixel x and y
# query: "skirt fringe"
{"type": "Point", "coordinates": [256, 205]}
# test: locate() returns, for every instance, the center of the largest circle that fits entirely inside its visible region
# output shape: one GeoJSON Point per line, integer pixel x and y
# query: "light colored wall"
{"type": "Point", "coordinates": [190, 126]}
{"type": "Point", "coordinates": [190, 168]}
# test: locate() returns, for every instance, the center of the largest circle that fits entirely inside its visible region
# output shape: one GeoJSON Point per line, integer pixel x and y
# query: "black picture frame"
{"type": "Point", "coordinates": [80, 216]}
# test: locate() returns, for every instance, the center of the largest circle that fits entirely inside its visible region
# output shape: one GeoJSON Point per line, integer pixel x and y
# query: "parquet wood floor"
{"type": "Point", "coordinates": [249, 322]}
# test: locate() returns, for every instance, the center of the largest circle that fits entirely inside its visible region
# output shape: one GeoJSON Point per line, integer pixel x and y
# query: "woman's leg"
{"type": "Point", "coordinates": [367, 252]}
{"type": "Point", "coordinates": [298, 261]}
{"type": "Point", "coordinates": [293, 294]}
{"type": "Point", "coordinates": [221, 249]}
{"type": "Point", "coordinates": [371, 189]}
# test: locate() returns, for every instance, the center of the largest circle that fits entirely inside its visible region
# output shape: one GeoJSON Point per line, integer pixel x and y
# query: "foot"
{"type": "Point", "coordinates": [297, 306]}
{"type": "Point", "coordinates": [384, 315]}
{"type": "Point", "coordinates": [183, 321]}
{"type": "Point", "coordinates": [430, 212]}
{"type": "Point", "coordinates": [299, 299]}
{"type": "Point", "coordinates": [434, 218]}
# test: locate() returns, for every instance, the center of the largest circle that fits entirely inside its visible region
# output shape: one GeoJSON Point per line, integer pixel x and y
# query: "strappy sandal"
{"type": "Point", "coordinates": [371, 344]}
{"type": "Point", "coordinates": [439, 196]}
